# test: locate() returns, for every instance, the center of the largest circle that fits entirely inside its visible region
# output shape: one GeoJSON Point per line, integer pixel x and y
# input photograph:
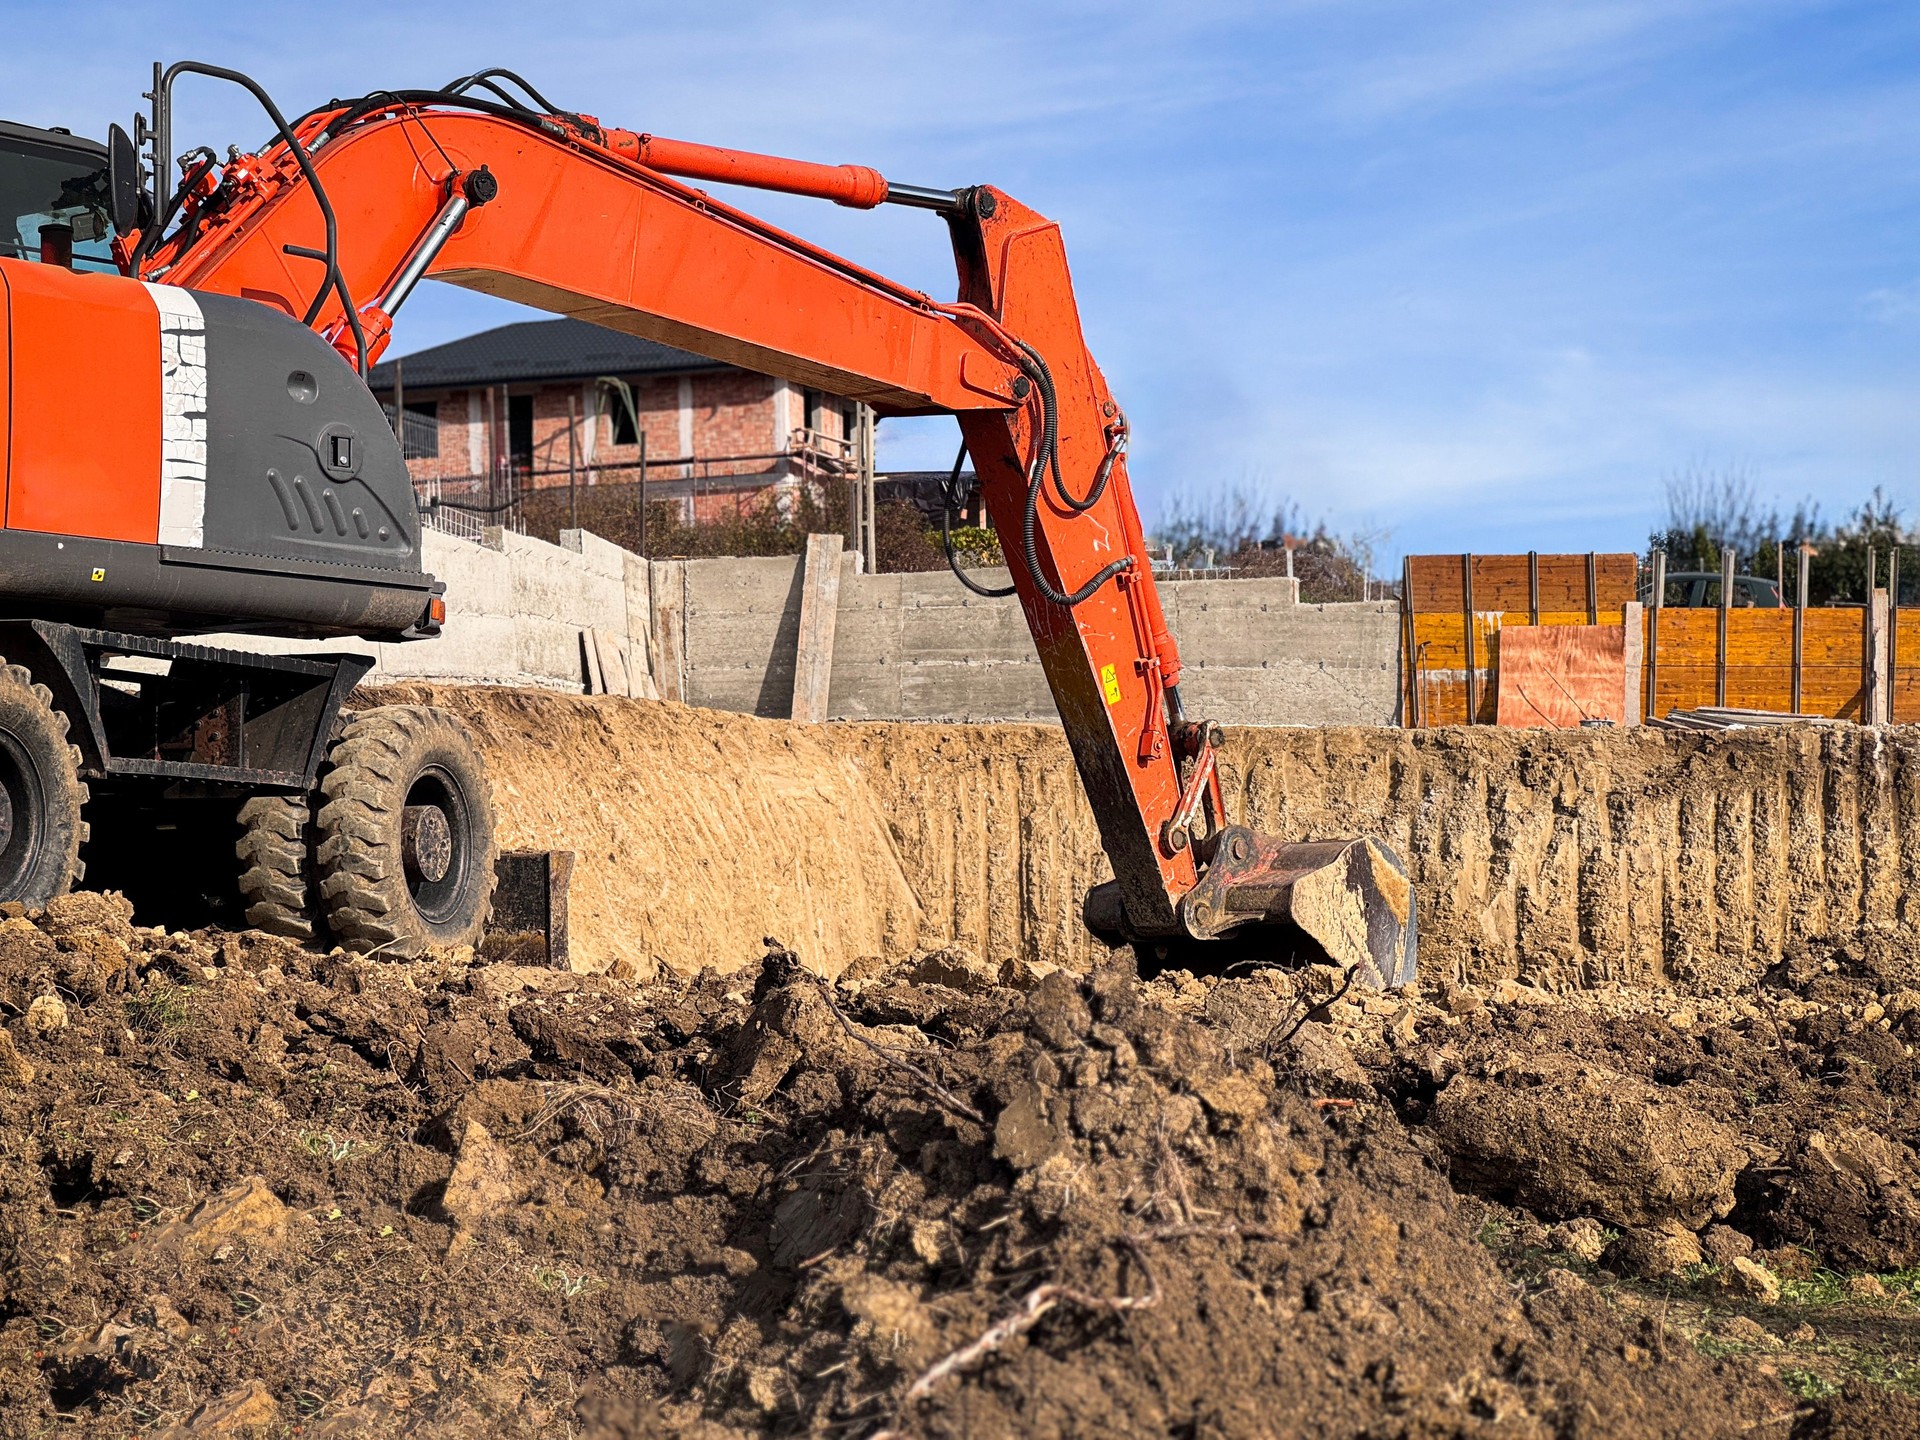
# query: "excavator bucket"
{"type": "Point", "coordinates": [1344, 901]}
{"type": "Point", "coordinates": [1351, 898]}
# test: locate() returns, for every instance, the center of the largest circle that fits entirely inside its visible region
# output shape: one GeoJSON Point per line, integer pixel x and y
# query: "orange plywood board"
{"type": "Point", "coordinates": [1558, 675]}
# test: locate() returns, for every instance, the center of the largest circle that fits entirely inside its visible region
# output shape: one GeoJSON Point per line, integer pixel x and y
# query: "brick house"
{"type": "Point", "coordinates": [549, 403]}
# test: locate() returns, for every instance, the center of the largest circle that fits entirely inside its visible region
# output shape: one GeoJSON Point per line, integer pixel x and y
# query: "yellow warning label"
{"type": "Point", "coordinates": [1110, 682]}
{"type": "Point", "coordinates": [99, 573]}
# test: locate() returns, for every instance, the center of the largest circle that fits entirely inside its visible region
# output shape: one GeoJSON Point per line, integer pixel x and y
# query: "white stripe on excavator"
{"type": "Point", "coordinates": [183, 416]}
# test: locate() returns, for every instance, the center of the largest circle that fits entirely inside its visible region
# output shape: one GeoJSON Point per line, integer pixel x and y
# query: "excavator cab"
{"type": "Point", "coordinates": [56, 199]}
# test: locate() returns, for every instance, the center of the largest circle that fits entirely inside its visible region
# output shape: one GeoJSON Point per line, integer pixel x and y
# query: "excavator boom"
{"type": "Point", "coordinates": [351, 205]}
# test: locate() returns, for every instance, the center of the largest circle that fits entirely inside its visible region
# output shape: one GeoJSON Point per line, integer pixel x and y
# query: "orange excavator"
{"type": "Point", "coordinates": [192, 448]}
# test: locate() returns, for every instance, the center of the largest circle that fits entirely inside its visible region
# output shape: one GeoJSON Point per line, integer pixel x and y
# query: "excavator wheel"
{"type": "Point", "coordinates": [405, 849]}
{"type": "Point", "coordinates": [41, 794]}
{"type": "Point", "coordinates": [275, 853]}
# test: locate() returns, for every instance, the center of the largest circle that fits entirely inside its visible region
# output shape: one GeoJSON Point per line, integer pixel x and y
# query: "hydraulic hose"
{"type": "Point", "coordinates": [950, 500]}
{"type": "Point", "coordinates": [1047, 459]}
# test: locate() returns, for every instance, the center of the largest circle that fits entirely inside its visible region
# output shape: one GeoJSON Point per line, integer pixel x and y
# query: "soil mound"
{"type": "Point", "coordinates": [688, 825]}
{"type": "Point", "coordinates": [243, 1186]}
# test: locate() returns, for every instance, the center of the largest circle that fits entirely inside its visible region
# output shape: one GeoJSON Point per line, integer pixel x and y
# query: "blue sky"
{"type": "Point", "coordinates": [1475, 276]}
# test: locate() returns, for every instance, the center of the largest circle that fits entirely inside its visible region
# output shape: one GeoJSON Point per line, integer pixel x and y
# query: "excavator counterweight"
{"type": "Point", "coordinates": [325, 231]}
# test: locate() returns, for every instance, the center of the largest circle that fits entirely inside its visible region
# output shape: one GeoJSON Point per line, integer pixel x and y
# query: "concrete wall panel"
{"type": "Point", "coordinates": [906, 647]}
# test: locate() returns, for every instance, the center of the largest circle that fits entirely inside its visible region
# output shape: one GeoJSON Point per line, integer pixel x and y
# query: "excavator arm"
{"type": "Point", "coordinates": [337, 220]}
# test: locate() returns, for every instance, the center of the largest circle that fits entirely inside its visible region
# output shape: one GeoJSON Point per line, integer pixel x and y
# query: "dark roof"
{"type": "Point", "coordinates": [538, 350]}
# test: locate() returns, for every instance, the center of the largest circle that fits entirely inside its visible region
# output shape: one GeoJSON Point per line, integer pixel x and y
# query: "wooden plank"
{"type": "Point", "coordinates": [1633, 623]}
{"type": "Point", "coordinates": [819, 608]}
{"type": "Point", "coordinates": [1905, 680]}
{"type": "Point", "coordinates": [590, 662]}
{"type": "Point", "coordinates": [667, 655]}
{"type": "Point", "coordinates": [613, 663]}
{"type": "Point", "coordinates": [1555, 676]}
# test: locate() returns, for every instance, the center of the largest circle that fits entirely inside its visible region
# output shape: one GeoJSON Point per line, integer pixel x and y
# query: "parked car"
{"type": "Point", "coordinates": [1700, 589]}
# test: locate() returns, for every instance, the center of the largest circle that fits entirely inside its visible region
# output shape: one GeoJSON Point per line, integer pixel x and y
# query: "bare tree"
{"type": "Point", "coordinates": [1249, 526]}
{"type": "Point", "coordinates": [1711, 510]}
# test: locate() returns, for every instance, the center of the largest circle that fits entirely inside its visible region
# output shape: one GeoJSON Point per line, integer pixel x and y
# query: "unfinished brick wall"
{"type": "Point", "coordinates": [704, 428]}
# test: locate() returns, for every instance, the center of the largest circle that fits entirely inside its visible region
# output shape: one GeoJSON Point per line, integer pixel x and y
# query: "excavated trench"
{"type": "Point", "coordinates": [1567, 859]}
{"type": "Point", "coordinates": [1634, 1157]}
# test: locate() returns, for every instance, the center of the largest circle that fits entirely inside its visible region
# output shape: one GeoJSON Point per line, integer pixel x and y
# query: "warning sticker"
{"type": "Point", "coordinates": [1110, 682]}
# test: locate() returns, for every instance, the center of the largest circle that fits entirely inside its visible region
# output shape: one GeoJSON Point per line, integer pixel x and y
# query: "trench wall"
{"type": "Point", "coordinates": [1565, 858]}
{"type": "Point", "coordinates": [1558, 857]}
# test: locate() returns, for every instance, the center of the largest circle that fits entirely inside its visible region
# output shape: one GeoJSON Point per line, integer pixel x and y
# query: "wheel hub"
{"type": "Point", "coordinates": [426, 843]}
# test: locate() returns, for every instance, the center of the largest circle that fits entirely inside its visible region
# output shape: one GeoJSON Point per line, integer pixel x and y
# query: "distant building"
{"type": "Point", "coordinates": [545, 403]}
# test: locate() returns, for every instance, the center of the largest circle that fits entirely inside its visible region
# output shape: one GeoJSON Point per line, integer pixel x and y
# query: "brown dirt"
{"type": "Point", "coordinates": [1670, 1188]}
{"type": "Point", "coordinates": [245, 1185]}
{"type": "Point", "coordinates": [695, 832]}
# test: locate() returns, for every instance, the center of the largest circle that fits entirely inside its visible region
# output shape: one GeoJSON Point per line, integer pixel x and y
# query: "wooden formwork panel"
{"type": "Point", "coordinates": [1683, 647]}
{"type": "Point", "coordinates": [1500, 582]}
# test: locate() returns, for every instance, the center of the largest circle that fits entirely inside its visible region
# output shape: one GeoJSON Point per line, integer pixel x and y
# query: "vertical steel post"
{"type": "Point", "coordinates": [1593, 590]}
{"type": "Point", "coordinates": [1799, 622]}
{"type": "Point", "coordinates": [640, 434]}
{"type": "Point", "coordinates": [1720, 646]}
{"type": "Point", "coordinates": [1466, 611]}
{"type": "Point", "coordinates": [493, 458]}
{"type": "Point", "coordinates": [1867, 656]}
{"type": "Point", "coordinates": [1656, 601]}
{"type": "Point", "coordinates": [1533, 587]}
{"type": "Point", "coordinates": [1893, 631]}
{"type": "Point", "coordinates": [1411, 715]}
{"type": "Point", "coordinates": [870, 535]}
{"type": "Point", "coordinates": [573, 441]}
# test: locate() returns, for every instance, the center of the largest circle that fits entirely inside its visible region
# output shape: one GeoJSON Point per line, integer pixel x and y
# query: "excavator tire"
{"type": "Point", "coordinates": [405, 851]}
{"type": "Point", "coordinates": [275, 854]}
{"type": "Point", "coordinates": [42, 799]}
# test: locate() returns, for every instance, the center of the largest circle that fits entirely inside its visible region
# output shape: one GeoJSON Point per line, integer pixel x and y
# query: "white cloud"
{"type": "Point", "coordinates": [1894, 303]}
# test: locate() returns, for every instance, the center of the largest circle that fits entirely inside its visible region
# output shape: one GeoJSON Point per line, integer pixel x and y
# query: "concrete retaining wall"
{"type": "Point", "coordinates": [922, 647]}
{"type": "Point", "coordinates": [516, 612]}
{"type": "Point", "coordinates": [722, 634]}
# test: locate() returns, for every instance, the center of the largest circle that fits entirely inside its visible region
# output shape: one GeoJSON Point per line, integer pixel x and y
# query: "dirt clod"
{"type": "Point", "coordinates": [46, 1014]}
{"type": "Point", "coordinates": [1654, 1252]}
{"type": "Point", "coordinates": [1751, 1280]}
{"type": "Point", "coordinates": [482, 1184]}
{"type": "Point", "coordinates": [1580, 1140]}
{"type": "Point", "coordinates": [246, 1411]}
{"type": "Point", "coordinates": [1584, 1239]}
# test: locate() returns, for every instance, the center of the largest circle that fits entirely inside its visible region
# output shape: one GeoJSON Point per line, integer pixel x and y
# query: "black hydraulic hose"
{"type": "Point", "coordinates": [1042, 377]}
{"type": "Point", "coordinates": [1029, 534]}
{"type": "Point", "coordinates": [950, 500]}
{"type": "Point", "coordinates": [1047, 458]}
{"type": "Point", "coordinates": [153, 231]}
{"type": "Point", "coordinates": [334, 280]}
{"type": "Point", "coordinates": [506, 97]}
{"type": "Point", "coordinates": [366, 105]}
{"type": "Point", "coordinates": [486, 78]}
